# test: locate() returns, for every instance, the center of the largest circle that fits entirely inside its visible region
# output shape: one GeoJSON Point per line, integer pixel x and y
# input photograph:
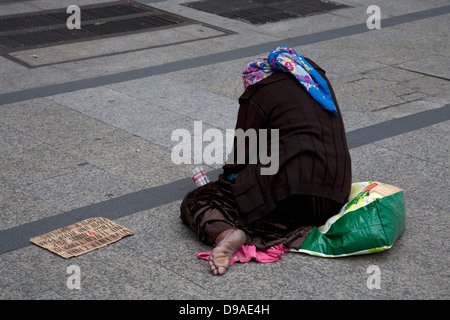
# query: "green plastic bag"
{"type": "Point", "coordinates": [371, 221]}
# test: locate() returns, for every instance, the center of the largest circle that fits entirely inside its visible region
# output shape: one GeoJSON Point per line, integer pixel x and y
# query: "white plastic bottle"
{"type": "Point", "coordinates": [199, 176]}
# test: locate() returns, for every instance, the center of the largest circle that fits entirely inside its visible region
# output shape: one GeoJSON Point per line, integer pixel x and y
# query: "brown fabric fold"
{"type": "Point", "coordinates": [211, 209]}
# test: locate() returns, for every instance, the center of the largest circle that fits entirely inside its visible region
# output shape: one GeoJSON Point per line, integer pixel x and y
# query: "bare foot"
{"type": "Point", "coordinates": [229, 241]}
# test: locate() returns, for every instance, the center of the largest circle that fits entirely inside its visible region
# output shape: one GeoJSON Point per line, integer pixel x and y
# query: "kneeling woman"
{"type": "Point", "coordinates": [290, 93]}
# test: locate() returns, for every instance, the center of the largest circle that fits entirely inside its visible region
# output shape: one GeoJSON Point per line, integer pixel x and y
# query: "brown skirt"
{"type": "Point", "coordinates": [211, 209]}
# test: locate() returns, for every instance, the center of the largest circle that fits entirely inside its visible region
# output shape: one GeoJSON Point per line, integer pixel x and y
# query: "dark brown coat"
{"type": "Point", "coordinates": [313, 154]}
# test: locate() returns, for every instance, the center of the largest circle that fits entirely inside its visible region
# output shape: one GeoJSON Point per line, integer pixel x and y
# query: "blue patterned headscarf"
{"type": "Point", "coordinates": [287, 60]}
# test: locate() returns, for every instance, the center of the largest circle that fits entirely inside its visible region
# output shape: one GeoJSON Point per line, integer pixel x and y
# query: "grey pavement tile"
{"type": "Point", "coordinates": [12, 140]}
{"type": "Point", "coordinates": [18, 7]}
{"type": "Point", "coordinates": [139, 278]}
{"type": "Point", "coordinates": [38, 163]}
{"type": "Point", "coordinates": [435, 56]}
{"type": "Point", "coordinates": [429, 144]}
{"type": "Point", "coordinates": [142, 88]}
{"type": "Point", "coordinates": [355, 14]}
{"type": "Point", "coordinates": [113, 272]}
{"type": "Point", "coordinates": [361, 94]}
{"type": "Point", "coordinates": [85, 185]}
{"type": "Point", "coordinates": [192, 102]}
{"type": "Point", "coordinates": [310, 24]}
{"type": "Point", "coordinates": [409, 107]}
{"type": "Point", "coordinates": [373, 99]}
{"type": "Point", "coordinates": [430, 64]}
{"type": "Point", "coordinates": [343, 66]}
{"type": "Point", "coordinates": [411, 269]}
{"type": "Point", "coordinates": [384, 46]}
{"type": "Point", "coordinates": [9, 67]}
{"type": "Point", "coordinates": [41, 266]}
{"type": "Point", "coordinates": [89, 100]}
{"type": "Point", "coordinates": [78, 148]}
{"type": "Point", "coordinates": [403, 274]}
{"type": "Point", "coordinates": [385, 93]}
{"type": "Point", "coordinates": [124, 62]}
{"type": "Point", "coordinates": [224, 78]}
{"type": "Point", "coordinates": [210, 148]}
{"type": "Point", "coordinates": [229, 42]}
{"type": "Point", "coordinates": [337, 64]}
{"type": "Point", "coordinates": [47, 295]}
{"type": "Point", "coordinates": [152, 226]}
{"type": "Point", "coordinates": [19, 207]}
{"type": "Point", "coordinates": [198, 31]}
{"type": "Point", "coordinates": [129, 157]}
{"type": "Point", "coordinates": [388, 84]}
{"type": "Point", "coordinates": [20, 78]}
{"type": "Point", "coordinates": [391, 74]}
{"type": "Point", "coordinates": [49, 4]}
{"type": "Point", "coordinates": [428, 85]}
{"type": "Point", "coordinates": [426, 236]}
{"type": "Point", "coordinates": [288, 279]}
{"type": "Point", "coordinates": [414, 175]}
{"type": "Point", "coordinates": [441, 98]}
{"type": "Point", "coordinates": [16, 285]}
{"type": "Point", "coordinates": [108, 146]}
{"type": "Point", "coordinates": [338, 278]}
{"type": "Point", "coordinates": [115, 45]}
{"type": "Point", "coordinates": [370, 100]}
{"type": "Point", "coordinates": [151, 122]}
{"type": "Point", "coordinates": [395, 91]}
{"type": "Point", "coordinates": [198, 15]}
{"type": "Point", "coordinates": [349, 273]}
{"type": "Point", "coordinates": [437, 26]}
{"type": "Point", "coordinates": [136, 116]}
{"type": "Point", "coordinates": [215, 79]}
{"type": "Point", "coordinates": [394, 8]}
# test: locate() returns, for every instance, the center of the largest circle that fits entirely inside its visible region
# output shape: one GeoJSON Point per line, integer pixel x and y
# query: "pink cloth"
{"type": "Point", "coordinates": [248, 252]}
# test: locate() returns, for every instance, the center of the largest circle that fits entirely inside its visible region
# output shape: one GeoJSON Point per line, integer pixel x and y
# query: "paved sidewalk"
{"type": "Point", "coordinates": [86, 131]}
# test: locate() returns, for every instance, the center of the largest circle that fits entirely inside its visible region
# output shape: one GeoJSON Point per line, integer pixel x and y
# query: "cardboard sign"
{"type": "Point", "coordinates": [82, 237]}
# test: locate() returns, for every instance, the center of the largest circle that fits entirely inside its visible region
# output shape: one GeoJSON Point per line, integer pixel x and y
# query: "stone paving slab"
{"type": "Point", "coordinates": [76, 51]}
